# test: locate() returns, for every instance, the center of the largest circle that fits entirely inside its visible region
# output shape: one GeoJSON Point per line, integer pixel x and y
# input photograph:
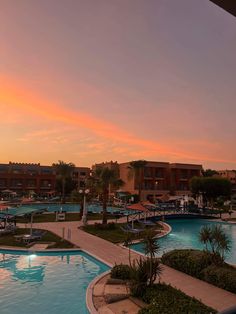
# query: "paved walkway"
{"type": "Point", "coordinates": [110, 253]}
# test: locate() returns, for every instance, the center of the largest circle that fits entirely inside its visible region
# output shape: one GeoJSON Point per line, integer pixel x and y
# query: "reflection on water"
{"type": "Point", "coordinates": [185, 234]}
{"type": "Point", "coordinates": [22, 269]}
{"type": "Point", "coordinates": [56, 283]}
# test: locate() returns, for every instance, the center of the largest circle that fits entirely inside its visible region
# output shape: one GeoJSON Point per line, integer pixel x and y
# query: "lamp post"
{"type": "Point", "coordinates": [156, 185]}
{"type": "Point", "coordinates": [84, 217]}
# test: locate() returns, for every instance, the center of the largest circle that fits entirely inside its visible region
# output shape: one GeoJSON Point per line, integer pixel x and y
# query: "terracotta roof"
{"type": "Point", "coordinates": [138, 207]}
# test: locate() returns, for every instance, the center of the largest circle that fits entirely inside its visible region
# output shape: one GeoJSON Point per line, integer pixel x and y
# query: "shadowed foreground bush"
{"type": "Point", "coordinates": [222, 277]}
{"type": "Point", "coordinates": [163, 299]}
{"type": "Point", "coordinates": [191, 262]}
{"type": "Point", "coordinates": [121, 272]}
{"type": "Point", "coordinates": [200, 264]}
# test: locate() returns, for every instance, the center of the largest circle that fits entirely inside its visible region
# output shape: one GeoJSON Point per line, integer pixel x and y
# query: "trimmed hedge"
{"type": "Point", "coordinates": [199, 264]}
{"type": "Point", "coordinates": [222, 277]}
{"type": "Point", "coordinates": [163, 299]}
{"type": "Point", "coordinates": [191, 262]}
{"type": "Point", "coordinates": [121, 272]}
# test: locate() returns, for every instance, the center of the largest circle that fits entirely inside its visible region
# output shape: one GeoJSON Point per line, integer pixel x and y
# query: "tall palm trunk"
{"type": "Point", "coordinates": [139, 185]}
{"type": "Point", "coordinates": [104, 206]}
{"type": "Point", "coordinates": [63, 190]}
{"type": "Point", "coordinates": [81, 208]}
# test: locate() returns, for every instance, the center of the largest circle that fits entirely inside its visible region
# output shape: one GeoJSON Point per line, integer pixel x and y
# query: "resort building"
{"type": "Point", "coordinates": [160, 178]}
{"type": "Point", "coordinates": [30, 178]}
{"type": "Point", "coordinates": [229, 174]}
{"type": "Point", "coordinates": [80, 175]}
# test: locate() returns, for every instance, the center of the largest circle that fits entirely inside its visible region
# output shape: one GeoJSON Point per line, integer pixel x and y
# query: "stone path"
{"type": "Point", "coordinates": [110, 253]}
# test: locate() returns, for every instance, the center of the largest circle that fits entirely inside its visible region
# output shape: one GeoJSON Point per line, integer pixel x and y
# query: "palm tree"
{"type": "Point", "coordinates": [103, 178]}
{"type": "Point", "coordinates": [63, 172]}
{"type": "Point", "coordinates": [205, 236]}
{"type": "Point", "coordinates": [136, 170]}
{"type": "Point", "coordinates": [218, 241]}
{"type": "Point", "coordinates": [151, 248]}
{"type": "Point", "coordinates": [221, 241]}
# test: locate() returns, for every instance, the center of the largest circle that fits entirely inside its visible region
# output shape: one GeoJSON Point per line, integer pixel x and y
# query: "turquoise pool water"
{"type": "Point", "coordinates": [52, 283]}
{"type": "Point", "coordinates": [75, 208]}
{"type": "Point", "coordinates": [185, 235]}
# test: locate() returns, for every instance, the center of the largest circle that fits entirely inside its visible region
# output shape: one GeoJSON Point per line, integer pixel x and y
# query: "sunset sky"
{"type": "Point", "coordinates": [87, 81]}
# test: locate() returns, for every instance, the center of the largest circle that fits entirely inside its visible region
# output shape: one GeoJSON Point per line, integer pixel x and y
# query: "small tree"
{"type": "Point", "coordinates": [151, 248]}
{"type": "Point", "coordinates": [63, 172]}
{"type": "Point", "coordinates": [209, 173]}
{"type": "Point", "coordinates": [211, 188]}
{"type": "Point", "coordinates": [102, 178]}
{"type": "Point", "coordinates": [219, 243]}
{"type": "Point", "coordinates": [205, 236]}
{"type": "Point", "coordinates": [136, 168]}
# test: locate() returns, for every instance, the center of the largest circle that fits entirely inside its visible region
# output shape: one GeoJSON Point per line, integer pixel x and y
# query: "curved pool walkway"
{"type": "Point", "coordinates": [111, 254]}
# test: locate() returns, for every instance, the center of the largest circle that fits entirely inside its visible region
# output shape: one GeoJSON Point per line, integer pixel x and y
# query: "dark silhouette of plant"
{"type": "Point", "coordinates": [136, 170]}
{"type": "Point", "coordinates": [205, 235]}
{"type": "Point", "coordinates": [211, 188]}
{"type": "Point", "coordinates": [63, 172]}
{"type": "Point", "coordinates": [140, 274]}
{"type": "Point", "coordinates": [219, 243]}
{"type": "Point", "coordinates": [102, 178]}
{"type": "Point", "coordinates": [128, 242]}
{"type": "Point", "coordinates": [151, 248]}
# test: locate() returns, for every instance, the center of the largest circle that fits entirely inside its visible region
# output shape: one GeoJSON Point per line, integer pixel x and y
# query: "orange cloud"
{"type": "Point", "coordinates": [15, 97]}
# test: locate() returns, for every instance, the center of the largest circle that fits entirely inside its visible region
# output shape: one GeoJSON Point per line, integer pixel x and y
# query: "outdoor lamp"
{"type": "Point", "coordinates": [84, 217]}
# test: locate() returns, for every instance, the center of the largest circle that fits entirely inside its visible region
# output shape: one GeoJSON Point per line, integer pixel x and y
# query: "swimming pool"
{"type": "Point", "coordinates": [184, 235]}
{"type": "Point", "coordinates": [52, 283]}
{"type": "Point", "coordinates": [75, 208]}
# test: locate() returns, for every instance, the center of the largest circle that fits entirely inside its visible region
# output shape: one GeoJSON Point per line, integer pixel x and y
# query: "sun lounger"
{"type": "Point", "coordinates": [38, 234]}
{"type": "Point", "coordinates": [129, 228]}
{"type": "Point", "coordinates": [147, 222]}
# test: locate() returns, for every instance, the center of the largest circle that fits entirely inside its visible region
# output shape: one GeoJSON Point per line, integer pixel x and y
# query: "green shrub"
{"type": "Point", "coordinates": [143, 274]}
{"type": "Point", "coordinates": [140, 273]}
{"type": "Point", "coordinates": [164, 299]}
{"type": "Point", "coordinates": [191, 262]}
{"type": "Point", "coordinates": [121, 272]}
{"type": "Point", "coordinates": [222, 277]}
{"type": "Point", "coordinates": [204, 266]}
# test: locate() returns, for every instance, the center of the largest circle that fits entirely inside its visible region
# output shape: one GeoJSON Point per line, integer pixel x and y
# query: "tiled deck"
{"type": "Point", "coordinates": [110, 253]}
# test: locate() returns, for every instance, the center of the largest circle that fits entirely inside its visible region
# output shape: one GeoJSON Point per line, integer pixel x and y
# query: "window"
{"type": "Point", "coordinates": [32, 172]}
{"type": "Point", "coordinates": [183, 174]}
{"type": "Point", "coordinates": [31, 183]}
{"type": "Point", "coordinates": [147, 172]}
{"type": "Point", "coordinates": [17, 170]}
{"type": "Point", "coordinates": [16, 183]}
{"type": "Point", "coordinates": [45, 184]}
{"type": "Point", "coordinates": [3, 182]}
{"type": "Point", "coordinates": [148, 185]}
{"type": "Point", "coordinates": [81, 184]}
{"type": "Point", "coordinates": [46, 171]}
{"type": "Point", "coordinates": [3, 170]}
{"type": "Point", "coordinates": [159, 173]}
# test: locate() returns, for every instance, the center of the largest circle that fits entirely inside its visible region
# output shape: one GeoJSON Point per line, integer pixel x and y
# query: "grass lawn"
{"type": "Point", "coordinates": [51, 217]}
{"type": "Point", "coordinates": [114, 234]}
{"type": "Point", "coordinates": [9, 240]}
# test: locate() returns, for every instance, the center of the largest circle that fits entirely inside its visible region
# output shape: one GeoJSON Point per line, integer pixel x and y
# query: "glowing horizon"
{"type": "Point", "coordinates": [96, 108]}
